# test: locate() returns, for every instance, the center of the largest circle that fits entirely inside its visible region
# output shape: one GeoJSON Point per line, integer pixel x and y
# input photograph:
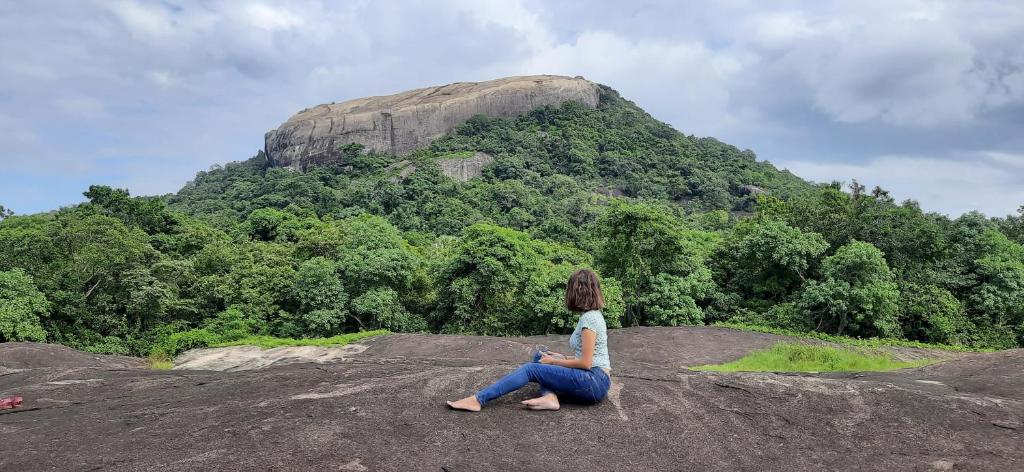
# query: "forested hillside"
{"type": "Point", "coordinates": [683, 230]}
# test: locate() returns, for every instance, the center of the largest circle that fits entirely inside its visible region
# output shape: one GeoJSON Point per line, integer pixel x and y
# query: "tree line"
{"type": "Point", "coordinates": [248, 249]}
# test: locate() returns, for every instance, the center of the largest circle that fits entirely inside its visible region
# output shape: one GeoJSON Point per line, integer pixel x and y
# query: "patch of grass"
{"type": "Point", "coordinates": [160, 362]}
{"type": "Point", "coordinates": [161, 365]}
{"type": "Point", "coordinates": [267, 342]}
{"type": "Point", "coordinates": [789, 357]}
{"type": "Point", "coordinates": [863, 342]}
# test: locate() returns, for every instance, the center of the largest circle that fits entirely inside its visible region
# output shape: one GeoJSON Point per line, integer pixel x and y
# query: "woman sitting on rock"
{"type": "Point", "coordinates": [579, 379]}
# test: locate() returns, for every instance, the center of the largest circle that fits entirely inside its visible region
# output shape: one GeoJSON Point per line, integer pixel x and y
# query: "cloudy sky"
{"type": "Point", "coordinates": [925, 99]}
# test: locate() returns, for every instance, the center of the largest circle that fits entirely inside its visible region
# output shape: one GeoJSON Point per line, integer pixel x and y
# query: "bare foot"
{"type": "Point", "coordinates": [546, 402]}
{"type": "Point", "coordinates": [469, 403]}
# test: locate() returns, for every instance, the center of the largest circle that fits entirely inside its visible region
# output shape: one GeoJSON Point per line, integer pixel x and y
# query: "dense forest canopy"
{"type": "Point", "coordinates": [683, 230]}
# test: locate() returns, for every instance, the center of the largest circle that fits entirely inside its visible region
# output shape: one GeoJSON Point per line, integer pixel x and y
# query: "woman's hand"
{"type": "Point", "coordinates": [547, 359]}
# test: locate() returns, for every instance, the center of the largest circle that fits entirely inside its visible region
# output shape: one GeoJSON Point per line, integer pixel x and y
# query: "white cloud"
{"type": "Point", "coordinates": [163, 78]}
{"type": "Point", "coordinates": [902, 62]}
{"type": "Point", "coordinates": [667, 75]}
{"type": "Point", "coordinates": [1015, 161]}
{"type": "Point", "coordinates": [16, 136]}
{"type": "Point", "coordinates": [778, 29]}
{"type": "Point", "coordinates": [142, 19]}
{"type": "Point", "coordinates": [510, 14]}
{"type": "Point", "coordinates": [914, 75]}
{"type": "Point", "coordinates": [84, 108]}
{"type": "Point", "coordinates": [190, 83]}
{"type": "Point", "coordinates": [271, 19]}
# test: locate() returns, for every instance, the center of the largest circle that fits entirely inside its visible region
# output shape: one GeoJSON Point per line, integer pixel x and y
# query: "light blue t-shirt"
{"type": "Point", "coordinates": [594, 321]}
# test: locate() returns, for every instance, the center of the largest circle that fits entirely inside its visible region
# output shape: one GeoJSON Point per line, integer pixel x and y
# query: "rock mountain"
{"type": "Point", "coordinates": [403, 122]}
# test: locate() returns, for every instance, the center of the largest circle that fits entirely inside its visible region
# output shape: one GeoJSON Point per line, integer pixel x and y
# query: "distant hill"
{"type": "Point", "coordinates": [602, 142]}
{"type": "Point", "coordinates": [463, 209]}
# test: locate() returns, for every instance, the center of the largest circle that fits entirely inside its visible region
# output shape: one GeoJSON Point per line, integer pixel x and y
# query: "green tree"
{"type": "Point", "coordinates": [910, 239]}
{"type": "Point", "coordinates": [149, 214]}
{"type": "Point", "coordinates": [255, 277]}
{"type": "Point", "coordinates": [982, 268]}
{"type": "Point", "coordinates": [671, 300]}
{"type": "Point", "coordinates": [932, 314]}
{"type": "Point", "coordinates": [321, 239]}
{"type": "Point", "coordinates": [998, 297]}
{"type": "Point", "coordinates": [246, 248]}
{"type": "Point", "coordinates": [264, 224]}
{"type": "Point", "coordinates": [1012, 225]}
{"type": "Point", "coordinates": [231, 325]}
{"type": "Point", "coordinates": [858, 294]}
{"type": "Point", "coordinates": [321, 296]}
{"type": "Point", "coordinates": [639, 244]}
{"type": "Point", "coordinates": [769, 259]}
{"type": "Point", "coordinates": [380, 307]}
{"type": "Point", "coordinates": [21, 306]}
{"type": "Point", "coordinates": [85, 264]}
{"type": "Point", "coordinates": [828, 212]}
{"type": "Point", "coordinates": [189, 236]}
{"type": "Point", "coordinates": [375, 254]}
{"type": "Point", "coordinates": [147, 299]}
{"type": "Point", "coordinates": [500, 281]}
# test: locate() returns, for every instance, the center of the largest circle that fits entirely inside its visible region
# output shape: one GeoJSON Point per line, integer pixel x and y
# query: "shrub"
{"type": "Point", "coordinates": [182, 341]}
{"type": "Point", "coordinates": [786, 316]}
{"type": "Point", "coordinates": [109, 345]}
{"type": "Point", "coordinates": [231, 324]}
{"type": "Point", "coordinates": [323, 322]}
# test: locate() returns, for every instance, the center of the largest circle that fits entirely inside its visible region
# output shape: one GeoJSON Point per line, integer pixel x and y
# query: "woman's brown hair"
{"type": "Point", "coordinates": [583, 292]}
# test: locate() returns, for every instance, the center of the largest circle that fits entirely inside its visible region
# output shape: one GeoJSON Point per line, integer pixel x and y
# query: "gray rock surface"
{"type": "Point", "coordinates": [18, 356]}
{"type": "Point", "coordinates": [751, 190]}
{"type": "Point", "coordinates": [251, 357]}
{"type": "Point", "coordinates": [406, 121]}
{"type": "Point", "coordinates": [460, 169]}
{"type": "Point", "coordinates": [463, 169]}
{"type": "Point", "coordinates": [383, 410]}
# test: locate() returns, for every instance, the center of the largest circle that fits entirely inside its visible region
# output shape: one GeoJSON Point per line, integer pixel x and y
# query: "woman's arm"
{"type": "Point", "coordinates": [588, 338]}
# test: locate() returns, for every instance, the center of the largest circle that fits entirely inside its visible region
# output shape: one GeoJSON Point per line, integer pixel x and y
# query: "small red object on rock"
{"type": "Point", "coordinates": [10, 402]}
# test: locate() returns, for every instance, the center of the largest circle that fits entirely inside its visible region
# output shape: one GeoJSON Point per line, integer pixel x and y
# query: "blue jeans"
{"type": "Point", "coordinates": [572, 385]}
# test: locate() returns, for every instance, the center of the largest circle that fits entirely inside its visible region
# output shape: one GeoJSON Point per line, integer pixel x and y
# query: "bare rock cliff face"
{"type": "Point", "coordinates": [406, 121]}
{"type": "Point", "coordinates": [467, 168]}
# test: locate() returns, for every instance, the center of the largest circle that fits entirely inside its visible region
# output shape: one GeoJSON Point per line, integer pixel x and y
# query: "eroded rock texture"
{"type": "Point", "coordinates": [460, 169]}
{"type": "Point", "coordinates": [463, 169]}
{"type": "Point", "coordinates": [400, 123]}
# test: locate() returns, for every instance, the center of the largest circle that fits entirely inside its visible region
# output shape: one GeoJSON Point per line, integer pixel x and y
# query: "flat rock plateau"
{"type": "Point", "coordinates": [380, 406]}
